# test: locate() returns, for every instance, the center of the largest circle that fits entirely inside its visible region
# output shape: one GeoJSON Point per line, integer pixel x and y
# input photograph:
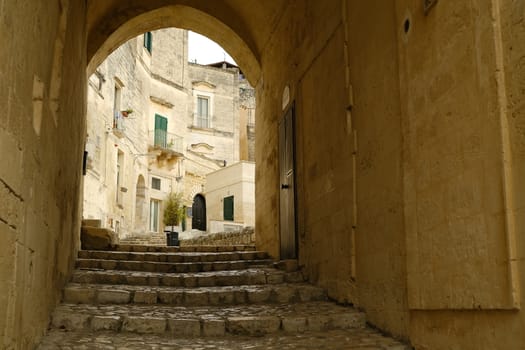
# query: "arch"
{"type": "Point", "coordinates": [114, 30]}
{"type": "Point", "coordinates": [198, 210]}
{"type": "Point", "coordinates": [141, 207]}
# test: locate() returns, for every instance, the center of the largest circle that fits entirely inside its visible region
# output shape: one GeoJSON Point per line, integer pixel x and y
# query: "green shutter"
{"type": "Point", "coordinates": [228, 208]}
{"type": "Point", "coordinates": [148, 41]}
{"type": "Point", "coordinates": [161, 131]}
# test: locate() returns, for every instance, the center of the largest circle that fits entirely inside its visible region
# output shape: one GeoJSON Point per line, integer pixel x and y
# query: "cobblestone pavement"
{"type": "Point", "coordinates": [357, 339]}
{"type": "Point", "coordinates": [209, 312]}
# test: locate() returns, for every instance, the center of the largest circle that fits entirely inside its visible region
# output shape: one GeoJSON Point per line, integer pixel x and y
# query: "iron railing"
{"type": "Point", "coordinates": [165, 140]}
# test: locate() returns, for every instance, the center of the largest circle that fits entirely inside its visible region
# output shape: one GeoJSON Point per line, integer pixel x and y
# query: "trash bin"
{"type": "Point", "coordinates": [172, 238]}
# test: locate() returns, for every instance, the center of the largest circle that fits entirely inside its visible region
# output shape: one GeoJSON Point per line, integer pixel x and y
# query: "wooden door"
{"type": "Point", "coordinates": [288, 236]}
{"type": "Point", "coordinates": [198, 212]}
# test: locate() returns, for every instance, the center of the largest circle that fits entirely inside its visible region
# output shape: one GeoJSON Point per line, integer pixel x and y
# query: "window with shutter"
{"type": "Point", "coordinates": [228, 208]}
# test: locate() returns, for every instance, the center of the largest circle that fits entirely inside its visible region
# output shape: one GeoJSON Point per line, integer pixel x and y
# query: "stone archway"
{"type": "Point", "coordinates": [105, 34]}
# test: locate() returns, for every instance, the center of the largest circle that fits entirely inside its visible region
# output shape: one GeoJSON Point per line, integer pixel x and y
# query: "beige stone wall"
{"type": "Point", "coordinates": [436, 203]}
{"type": "Point", "coordinates": [42, 96]}
{"type": "Point", "coordinates": [237, 180]}
{"type": "Point", "coordinates": [323, 143]}
{"type": "Point", "coordinates": [376, 117]}
{"type": "Point", "coordinates": [104, 141]}
{"type": "Point", "coordinates": [464, 233]}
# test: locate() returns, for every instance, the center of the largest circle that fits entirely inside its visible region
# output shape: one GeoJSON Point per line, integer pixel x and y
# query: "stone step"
{"type": "Point", "coordinates": [167, 267]}
{"type": "Point", "coordinates": [178, 257]}
{"type": "Point", "coordinates": [339, 339]}
{"type": "Point", "coordinates": [245, 294]}
{"type": "Point", "coordinates": [191, 248]}
{"type": "Point", "coordinates": [178, 321]}
{"type": "Point", "coordinates": [251, 276]}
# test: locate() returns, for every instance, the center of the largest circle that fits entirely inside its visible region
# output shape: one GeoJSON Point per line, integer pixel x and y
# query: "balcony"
{"type": "Point", "coordinates": [165, 145]}
{"type": "Point", "coordinates": [118, 125]}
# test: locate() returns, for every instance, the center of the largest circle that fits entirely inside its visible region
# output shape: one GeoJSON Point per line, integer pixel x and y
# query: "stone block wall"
{"type": "Point", "coordinates": [42, 131]}
{"type": "Point", "coordinates": [246, 236]}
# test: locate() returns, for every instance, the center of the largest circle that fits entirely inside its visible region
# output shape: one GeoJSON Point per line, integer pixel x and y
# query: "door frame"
{"type": "Point", "coordinates": [284, 251]}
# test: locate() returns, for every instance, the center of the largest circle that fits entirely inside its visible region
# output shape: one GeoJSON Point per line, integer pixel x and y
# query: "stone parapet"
{"type": "Point", "coordinates": [245, 236]}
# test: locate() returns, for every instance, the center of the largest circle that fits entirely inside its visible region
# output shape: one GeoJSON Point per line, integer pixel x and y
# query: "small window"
{"type": "Point", "coordinates": [228, 208]}
{"type": "Point", "coordinates": [155, 183]}
{"type": "Point", "coordinates": [203, 112]}
{"type": "Point", "coordinates": [154, 209]}
{"type": "Point", "coordinates": [148, 41]}
{"type": "Point", "coordinates": [161, 131]}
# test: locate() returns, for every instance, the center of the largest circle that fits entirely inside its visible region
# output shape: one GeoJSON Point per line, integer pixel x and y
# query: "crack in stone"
{"type": "Point", "coordinates": [8, 224]}
{"type": "Point", "coordinates": [12, 191]}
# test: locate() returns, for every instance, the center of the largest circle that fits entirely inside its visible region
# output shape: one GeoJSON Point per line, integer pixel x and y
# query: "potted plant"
{"type": "Point", "coordinates": [126, 112]}
{"type": "Point", "coordinates": [173, 212]}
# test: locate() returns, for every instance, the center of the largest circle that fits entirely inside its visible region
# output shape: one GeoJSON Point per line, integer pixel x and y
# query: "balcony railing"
{"type": "Point", "coordinates": [118, 125]}
{"type": "Point", "coordinates": [202, 121]}
{"type": "Point", "coordinates": [166, 141]}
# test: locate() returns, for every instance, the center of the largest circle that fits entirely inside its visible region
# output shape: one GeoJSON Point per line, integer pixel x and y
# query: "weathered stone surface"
{"type": "Point", "coordinates": [93, 238]}
{"type": "Point", "coordinates": [335, 339]}
{"type": "Point", "coordinates": [71, 321]}
{"type": "Point", "coordinates": [294, 324]}
{"type": "Point", "coordinates": [144, 325]}
{"type": "Point", "coordinates": [79, 295]}
{"type": "Point", "coordinates": [104, 323]}
{"type": "Point", "coordinates": [145, 297]}
{"type": "Point", "coordinates": [213, 328]}
{"type": "Point", "coordinates": [113, 296]}
{"type": "Point", "coordinates": [184, 327]}
{"type": "Point", "coordinates": [253, 325]}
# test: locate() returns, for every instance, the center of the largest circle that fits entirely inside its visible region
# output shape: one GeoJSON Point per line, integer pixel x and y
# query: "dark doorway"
{"type": "Point", "coordinates": [287, 184]}
{"type": "Point", "coordinates": [198, 210]}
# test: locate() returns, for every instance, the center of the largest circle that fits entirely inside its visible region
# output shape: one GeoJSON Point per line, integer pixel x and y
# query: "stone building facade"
{"type": "Point", "coordinates": [183, 122]}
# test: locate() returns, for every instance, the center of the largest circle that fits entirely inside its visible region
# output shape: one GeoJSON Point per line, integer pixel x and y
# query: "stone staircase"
{"type": "Point", "coordinates": [145, 239]}
{"type": "Point", "coordinates": [208, 292]}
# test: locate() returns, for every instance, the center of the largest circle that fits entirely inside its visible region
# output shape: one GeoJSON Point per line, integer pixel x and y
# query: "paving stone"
{"type": "Point", "coordinates": [334, 340]}
{"type": "Point", "coordinates": [184, 327]}
{"type": "Point", "coordinates": [113, 296]}
{"type": "Point", "coordinates": [319, 322]}
{"type": "Point", "coordinates": [221, 297]}
{"type": "Point", "coordinates": [284, 294]}
{"type": "Point", "coordinates": [79, 295]}
{"type": "Point", "coordinates": [145, 297]}
{"type": "Point", "coordinates": [256, 295]}
{"type": "Point", "coordinates": [294, 324]}
{"type": "Point", "coordinates": [106, 323]}
{"type": "Point", "coordinates": [144, 325]}
{"type": "Point", "coordinates": [196, 297]}
{"type": "Point", "coordinates": [171, 297]}
{"type": "Point", "coordinates": [213, 328]}
{"type": "Point", "coordinates": [253, 326]}
{"type": "Point", "coordinates": [275, 278]}
{"type": "Point", "coordinates": [70, 321]}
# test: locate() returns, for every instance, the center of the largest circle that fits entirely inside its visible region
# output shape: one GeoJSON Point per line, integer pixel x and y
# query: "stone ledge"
{"type": "Point", "coordinates": [245, 236]}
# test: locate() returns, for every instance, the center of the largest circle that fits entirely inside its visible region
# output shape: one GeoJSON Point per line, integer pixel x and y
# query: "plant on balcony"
{"type": "Point", "coordinates": [126, 112]}
{"type": "Point", "coordinates": [173, 209]}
